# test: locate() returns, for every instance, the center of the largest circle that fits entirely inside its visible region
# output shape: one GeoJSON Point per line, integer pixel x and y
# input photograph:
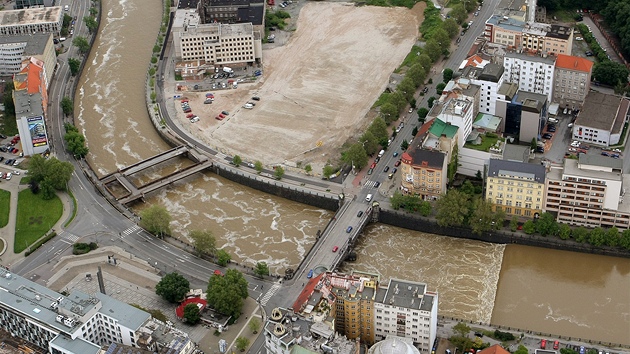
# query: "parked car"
{"type": "Point", "coordinates": [556, 345]}
{"type": "Point", "coordinates": [386, 169]}
{"type": "Point", "coordinates": [425, 90]}
{"type": "Point", "coordinates": [218, 118]}
{"type": "Point", "coordinates": [543, 344]}
{"type": "Point", "coordinates": [256, 98]}
{"type": "Point", "coordinates": [547, 136]}
{"type": "Point", "coordinates": [540, 149]}
{"type": "Point", "coordinates": [225, 113]}
{"type": "Point", "coordinates": [394, 170]}
{"type": "Point", "coordinates": [390, 176]}
{"type": "Point", "coordinates": [410, 110]}
{"type": "Point", "coordinates": [194, 120]}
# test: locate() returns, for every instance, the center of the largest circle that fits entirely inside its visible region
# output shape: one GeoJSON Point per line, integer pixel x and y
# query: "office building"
{"type": "Point", "coordinates": [233, 11]}
{"type": "Point", "coordinates": [588, 192]}
{"type": "Point", "coordinates": [78, 323]}
{"type": "Point", "coordinates": [528, 37]}
{"type": "Point", "coordinates": [364, 309]}
{"type": "Point", "coordinates": [526, 115]}
{"type": "Point", "coordinates": [572, 80]}
{"type": "Point", "coordinates": [516, 188]}
{"type": "Point", "coordinates": [233, 45]}
{"type": "Point", "coordinates": [531, 73]}
{"type": "Point", "coordinates": [14, 50]}
{"type": "Point", "coordinates": [601, 119]}
{"type": "Point", "coordinates": [31, 21]}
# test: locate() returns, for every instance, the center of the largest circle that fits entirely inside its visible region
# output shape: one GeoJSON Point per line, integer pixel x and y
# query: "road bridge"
{"type": "Point", "coordinates": [134, 192]}
{"type": "Point", "coordinates": [348, 223]}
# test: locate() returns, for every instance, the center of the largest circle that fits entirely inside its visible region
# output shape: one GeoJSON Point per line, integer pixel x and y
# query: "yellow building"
{"type": "Point", "coordinates": [517, 188]}
{"type": "Point", "coordinates": [354, 305]}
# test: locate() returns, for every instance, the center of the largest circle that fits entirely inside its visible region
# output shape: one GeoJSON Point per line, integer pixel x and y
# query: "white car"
{"type": "Point", "coordinates": [616, 150]}
{"type": "Point", "coordinates": [410, 110]}
{"type": "Point", "coordinates": [194, 120]}
{"type": "Point", "coordinates": [17, 173]}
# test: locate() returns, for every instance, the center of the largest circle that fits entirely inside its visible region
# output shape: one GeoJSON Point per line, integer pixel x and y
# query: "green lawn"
{"type": "Point", "coordinates": [486, 143]}
{"type": "Point", "coordinates": [35, 217]}
{"type": "Point", "coordinates": [5, 199]}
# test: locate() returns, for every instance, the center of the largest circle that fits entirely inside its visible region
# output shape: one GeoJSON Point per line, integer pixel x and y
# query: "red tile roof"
{"type": "Point", "coordinates": [495, 349]}
{"type": "Point", "coordinates": [574, 63]}
{"type": "Point", "coordinates": [306, 293]}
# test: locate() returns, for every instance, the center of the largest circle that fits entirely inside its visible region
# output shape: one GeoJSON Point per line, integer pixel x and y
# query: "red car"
{"type": "Point", "coordinates": [190, 115]}
{"type": "Point", "coordinates": [335, 248]}
{"type": "Point", "coordinates": [218, 272]}
{"type": "Point", "coordinates": [397, 163]}
{"type": "Point", "coordinates": [218, 118]}
{"type": "Point", "coordinates": [543, 344]}
{"type": "Point", "coordinates": [209, 95]}
{"type": "Point", "coordinates": [556, 345]}
{"type": "Point", "coordinates": [221, 115]}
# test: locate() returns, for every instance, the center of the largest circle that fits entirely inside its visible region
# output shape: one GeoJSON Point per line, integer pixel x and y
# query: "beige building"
{"type": "Point", "coordinates": [572, 80]}
{"type": "Point", "coordinates": [588, 192]}
{"type": "Point", "coordinates": [31, 21]}
{"type": "Point", "coordinates": [424, 172]}
{"type": "Point", "coordinates": [517, 188]}
{"type": "Point", "coordinates": [529, 37]}
{"type": "Point", "coordinates": [219, 44]}
{"type": "Point", "coordinates": [15, 49]}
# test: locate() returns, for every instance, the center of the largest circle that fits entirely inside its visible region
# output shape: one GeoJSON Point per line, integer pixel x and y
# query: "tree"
{"type": "Point", "coordinates": [378, 128]}
{"type": "Point", "coordinates": [93, 11]}
{"type": "Point", "coordinates": [580, 234]}
{"type": "Point", "coordinates": [431, 101]}
{"type": "Point", "coordinates": [223, 258]}
{"type": "Point", "coordinates": [74, 65]}
{"type": "Point", "coordinates": [173, 287]}
{"type": "Point", "coordinates": [369, 142]}
{"type": "Point", "coordinates": [564, 231]}
{"type": "Point", "coordinates": [597, 237]}
{"type": "Point", "coordinates": [226, 293]}
{"type": "Point", "coordinates": [75, 143]}
{"type": "Point", "coordinates": [279, 172]}
{"type": "Point", "coordinates": [191, 314]}
{"type": "Point", "coordinates": [452, 208]}
{"type": "Point", "coordinates": [459, 13]}
{"type": "Point", "coordinates": [442, 38]}
{"type": "Point", "coordinates": [389, 112]}
{"type": "Point", "coordinates": [404, 145]}
{"type": "Point", "coordinates": [533, 144]}
{"type": "Point", "coordinates": [433, 49]}
{"type": "Point", "coordinates": [50, 174]}
{"type": "Point", "coordinates": [612, 237]}
{"type": "Point", "coordinates": [425, 208]}
{"type": "Point", "coordinates": [261, 270]}
{"type": "Point", "coordinates": [308, 169]}
{"type": "Point", "coordinates": [547, 225]}
{"type": "Point", "coordinates": [67, 106]}
{"type": "Point", "coordinates": [529, 227]}
{"type": "Point", "coordinates": [610, 73]}
{"type": "Point", "coordinates": [258, 166]}
{"type": "Point", "coordinates": [514, 223]}
{"type": "Point", "coordinates": [439, 88]}
{"type": "Point", "coordinates": [447, 74]}
{"type": "Point", "coordinates": [417, 74]}
{"type": "Point", "coordinates": [82, 44]}
{"type": "Point", "coordinates": [451, 27]}
{"type": "Point", "coordinates": [522, 350]}
{"type": "Point", "coordinates": [242, 343]}
{"type": "Point", "coordinates": [624, 241]}
{"type": "Point", "coordinates": [90, 23]}
{"type": "Point", "coordinates": [422, 113]}
{"type": "Point", "coordinates": [203, 241]}
{"type": "Point", "coordinates": [426, 62]}
{"type": "Point", "coordinates": [461, 329]}
{"type": "Point", "coordinates": [156, 48]}
{"type": "Point", "coordinates": [254, 325]}
{"type": "Point", "coordinates": [156, 219]}
{"type": "Point", "coordinates": [406, 88]}
{"type": "Point", "coordinates": [328, 171]}
{"type": "Point", "coordinates": [237, 160]}
{"type": "Point", "coordinates": [483, 218]}
{"type": "Point", "coordinates": [356, 156]}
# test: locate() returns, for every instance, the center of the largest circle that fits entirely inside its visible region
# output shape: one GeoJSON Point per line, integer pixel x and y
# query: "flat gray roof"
{"type": "Point", "coordinates": [531, 100]}
{"type": "Point", "coordinates": [508, 24]}
{"type": "Point", "coordinates": [508, 89]}
{"type": "Point", "coordinates": [126, 315]}
{"type": "Point", "coordinates": [597, 160]}
{"type": "Point", "coordinates": [30, 16]}
{"type": "Point", "coordinates": [404, 293]}
{"type": "Point", "coordinates": [76, 346]}
{"type": "Point", "coordinates": [28, 104]}
{"type": "Point", "coordinates": [549, 60]}
{"type": "Point", "coordinates": [515, 169]}
{"type": "Point", "coordinates": [513, 152]}
{"type": "Point", "coordinates": [598, 111]}
{"type": "Point", "coordinates": [35, 44]}
{"type": "Point", "coordinates": [572, 167]}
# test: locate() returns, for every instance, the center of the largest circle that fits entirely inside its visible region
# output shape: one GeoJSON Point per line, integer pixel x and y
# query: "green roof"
{"type": "Point", "coordinates": [439, 128]}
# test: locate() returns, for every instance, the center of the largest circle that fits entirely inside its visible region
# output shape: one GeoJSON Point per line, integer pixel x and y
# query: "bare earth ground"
{"type": "Point", "coordinates": [316, 88]}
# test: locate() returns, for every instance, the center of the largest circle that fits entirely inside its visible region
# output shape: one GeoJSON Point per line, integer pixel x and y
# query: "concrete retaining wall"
{"type": "Point", "coordinates": [418, 223]}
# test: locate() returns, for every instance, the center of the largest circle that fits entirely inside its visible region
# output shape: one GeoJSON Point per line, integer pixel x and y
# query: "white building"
{"type": "Point", "coordinates": [489, 79]}
{"type": "Point", "coordinates": [31, 21]}
{"type": "Point", "coordinates": [601, 120]}
{"type": "Point", "coordinates": [214, 43]}
{"type": "Point", "coordinates": [531, 73]}
{"type": "Point", "coordinates": [15, 49]}
{"type": "Point", "coordinates": [394, 345]}
{"type": "Point", "coordinates": [76, 324]}
{"type": "Point", "coordinates": [460, 113]}
{"type": "Point", "coordinates": [407, 310]}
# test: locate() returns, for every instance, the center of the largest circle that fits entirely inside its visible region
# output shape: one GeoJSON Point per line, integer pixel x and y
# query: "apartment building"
{"type": "Point", "coordinates": [601, 119]}
{"type": "Point", "coordinates": [31, 21]}
{"type": "Point", "coordinates": [517, 188]}
{"type": "Point", "coordinates": [572, 80]}
{"type": "Point", "coordinates": [286, 333]}
{"type": "Point", "coordinates": [234, 45]}
{"type": "Point", "coordinates": [14, 50]}
{"type": "Point", "coordinates": [457, 109]}
{"type": "Point", "coordinates": [362, 308]}
{"type": "Point", "coordinates": [489, 79]}
{"type": "Point", "coordinates": [532, 73]}
{"type": "Point", "coordinates": [425, 172]}
{"type": "Point", "coordinates": [588, 192]}
{"type": "Point", "coordinates": [533, 37]}
{"type": "Point", "coordinates": [504, 30]}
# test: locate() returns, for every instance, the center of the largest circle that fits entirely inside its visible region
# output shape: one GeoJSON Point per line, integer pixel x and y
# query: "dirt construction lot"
{"type": "Point", "coordinates": [316, 88]}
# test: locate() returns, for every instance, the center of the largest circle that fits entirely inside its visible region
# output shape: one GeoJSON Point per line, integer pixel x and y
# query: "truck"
{"type": "Point", "coordinates": [227, 70]}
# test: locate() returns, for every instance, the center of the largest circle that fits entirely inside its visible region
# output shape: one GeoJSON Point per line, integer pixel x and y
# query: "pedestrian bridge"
{"type": "Point", "coordinates": [134, 192]}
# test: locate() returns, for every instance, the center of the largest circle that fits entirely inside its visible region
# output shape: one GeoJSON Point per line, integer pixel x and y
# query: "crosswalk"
{"type": "Point", "coordinates": [371, 184]}
{"type": "Point", "coordinates": [271, 292]}
{"type": "Point", "coordinates": [68, 237]}
{"type": "Point", "coordinates": [129, 231]}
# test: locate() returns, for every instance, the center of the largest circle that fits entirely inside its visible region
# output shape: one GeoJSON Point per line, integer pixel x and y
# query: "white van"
{"type": "Point", "coordinates": [552, 120]}
{"type": "Point", "coordinates": [66, 8]}
{"type": "Point", "coordinates": [380, 154]}
{"type": "Point", "coordinates": [368, 198]}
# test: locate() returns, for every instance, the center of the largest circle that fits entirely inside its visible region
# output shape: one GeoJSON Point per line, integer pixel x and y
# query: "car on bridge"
{"type": "Point", "coordinates": [349, 229]}
{"type": "Point", "coordinates": [310, 274]}
{"type": "Point", "coordinates": [360, 213]}
{"type": "Point", "coordinates": [335, 248]}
